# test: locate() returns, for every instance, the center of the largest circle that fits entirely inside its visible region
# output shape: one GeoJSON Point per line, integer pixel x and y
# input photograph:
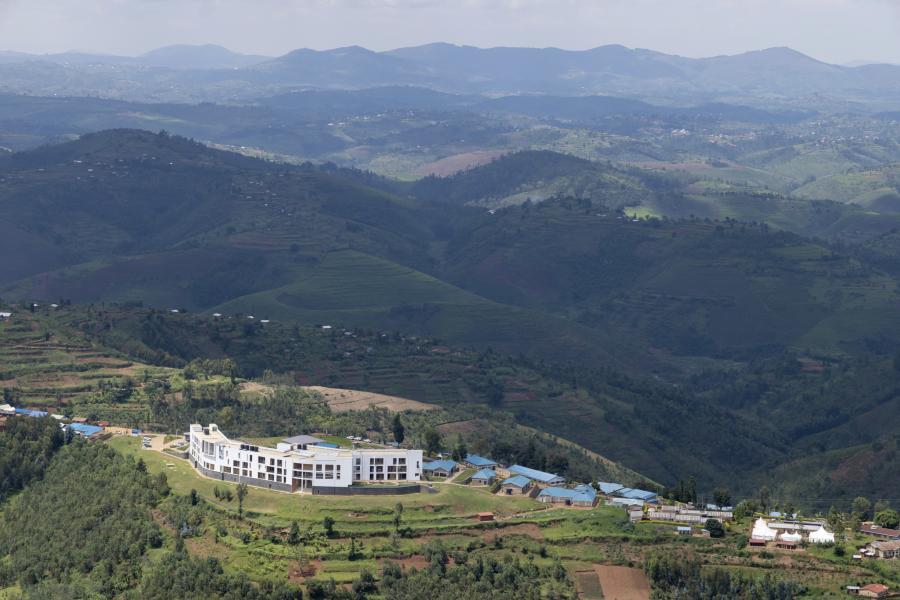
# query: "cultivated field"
{"type": "Point", "coordinates": [623, 583]}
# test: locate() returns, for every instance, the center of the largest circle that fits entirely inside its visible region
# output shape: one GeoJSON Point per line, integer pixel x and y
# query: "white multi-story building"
{"type": "Point", "coordinates": [298, 464]}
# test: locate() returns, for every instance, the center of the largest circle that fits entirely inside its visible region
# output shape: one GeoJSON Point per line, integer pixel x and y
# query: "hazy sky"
{"type": "Point", "coordinates": [832, 30]}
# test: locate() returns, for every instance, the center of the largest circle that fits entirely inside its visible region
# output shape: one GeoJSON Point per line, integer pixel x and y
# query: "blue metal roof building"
{"type": "Point", "coordinates": [84, 430]}
{"type": "Point", "coordinates": [519, 481]}
{"type": "Point", "coordinates": [636, 494]}
{"type": "Point", "coordinates": [479, 461]}
{"type": "Point", "coordinates": [610, 488]}
{"type": "Point", "coordinates": [582, 495]}
{"type": "Point", "coordinates": [540, 476]}
{"type": "Point", "coordinates": [31, 413]}
{"type": "Point", "coordinates": [485, 475]}
{"type": "Point", "coordinates": [440, 465]}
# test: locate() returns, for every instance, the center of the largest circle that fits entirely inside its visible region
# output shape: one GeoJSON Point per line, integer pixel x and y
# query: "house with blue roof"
{"type": "Point", "coordinates": [440, 468]}
{"type": "Point", "coordinates": [537, 476]}
{"type": "Point", "coordinates": [610, 488]}
{"type": "Point", "coordinates": [636, 494]}
{"type": "Point", "coordinates": [626, 502]}
{"type": "Point", "coordinates": [517, 484]}
{"type": "Point", "coordinates": [85, 431]}
{"type": "Point", "coordinates": [484, 477]}
{"type": "Point", "coordinates": [31, 413]}
{"type": "Point", "coordinates": [479, 462]}
{"type": "Point", "coordinates": [582, 495]}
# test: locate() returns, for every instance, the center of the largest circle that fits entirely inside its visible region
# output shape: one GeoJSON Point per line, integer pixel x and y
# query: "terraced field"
{"type": "Point", "coordinates": [61, 372]}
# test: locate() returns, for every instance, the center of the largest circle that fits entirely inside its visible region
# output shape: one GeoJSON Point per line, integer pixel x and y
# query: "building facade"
{"type": "Point", "coordinates": [298, 467]}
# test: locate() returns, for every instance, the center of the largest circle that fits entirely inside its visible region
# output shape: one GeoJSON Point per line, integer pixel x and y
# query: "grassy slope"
{"type": "Point", "coordinates": [579, 539]}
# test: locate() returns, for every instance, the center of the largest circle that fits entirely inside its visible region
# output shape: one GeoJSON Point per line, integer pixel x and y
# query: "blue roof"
{"type": "Point", "coordinates": [485, 474]}
{"type": "Point", "coordinates": [609, 488]}
{"type": "Point", "coordinates": [636, 494]}
{"type": "Point", "coordinates": [447, 465]}
{"type": "Point", "coordinates": [627, 502]}
{"type": "Point", "coordinates": [581, 493]}
{"type": "Point", "coordinates": [534, 474]}
{"type": "Point", "coordinates": [326, 445]}
{"type": "Point", "coordinates": [31, 413]}
{"type": "Point", "coordinates": [717, 507]}
{"type": "Point", "coordinates": [479, 461]}
{"type": "Point", "coordinates": [518, 481]}
{"type": "Point", "coordinates": [85, 430]}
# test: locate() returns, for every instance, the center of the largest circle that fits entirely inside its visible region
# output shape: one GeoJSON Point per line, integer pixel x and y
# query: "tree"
{"type": "Point", "coordinates": [328, 526]}
{"type": "Point", "coordinates": [398, 429]}
{"type": "Point", "coordinates": [294, 534]}
{"type": "Point", "coordinates": [765, 496]}
{"type": "Point", "coordinates": [460, 451]}
{"type": "Point", "coordinates": [241, 494]}
{"type": "Point", "coordinates": [715, 528]}
{"type": "Point", "coordinates": [365, 585]}
{"type": "Point", "coordinates": [398, 515]}
{"type": "Point", "coordinates": [888, 518]}
{"type": "Point", "coordinates": [722, 497]}
{"type": "Point", "coordinates": [432, 441]}
{"type": "Point", "coordinates": [862, 507]}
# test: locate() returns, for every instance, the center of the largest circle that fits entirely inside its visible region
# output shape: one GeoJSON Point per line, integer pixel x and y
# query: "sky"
{"type": "Point", "coordinates": [838, 31]}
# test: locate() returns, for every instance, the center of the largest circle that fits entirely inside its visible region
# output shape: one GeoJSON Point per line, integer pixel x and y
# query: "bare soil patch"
{"type": "Point", "coordinates": [623, 583]}
{"type": "Point", "coordinates": [340, 400]}
{"type": "Point", "coordinates": [252, 387]}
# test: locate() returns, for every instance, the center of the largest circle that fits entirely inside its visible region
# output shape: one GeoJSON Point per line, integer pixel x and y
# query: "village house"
{"type": "Point", "coordinates": [289, 468]}
{"type": "Point", "coordinates": [5, 316]}
{"type": "Point", "coordinates": [517, 484]}
{"type": "Point", "coordinates": [540, 478]}
{"type": "Point", "coordinates": [636, 494]}
{"type": "Point", "coordinates": [882, 532]}
{"type": "Point", "coordinates": [874, 590]}
{"type": "Point", "coordinates": [886, 549]}
{"type": "Point", "coordinates": [85, 431]}
{"type": "Point", "coordinates": [479, 462]}
{"type": "Point", "coordinates": [440, 468]}
{"type": "Point", "coordinates": [484, 477]}
{"type": "Point", "coordinates": [582, 495]}
{"type": "Point", "coordinates": [609, 488]}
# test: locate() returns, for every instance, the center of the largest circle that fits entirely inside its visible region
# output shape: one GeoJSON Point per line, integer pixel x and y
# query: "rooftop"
{"type": "Point", "coordinates": [85, 430]}
{"type": "Point", "coordinates": [534, 474]}
{"type": "Point", "coordinates": [517, 480]}
{"type": "Point", "coordinates": [479, 461]}
{"type": "Point", "coordinates": [446, 465]}
{"type": "Point", "coordinates": [609, 488]}
{"type": "Point", "coordinates": [636, 494]}
{"type": "Point", "coordinates": [581, 493]}
{"type": "Point", "coordinates": [485, 474]}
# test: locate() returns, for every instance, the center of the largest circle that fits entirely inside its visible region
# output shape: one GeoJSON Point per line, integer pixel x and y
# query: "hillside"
{"type": "Point", "coordinates": [622, 327]}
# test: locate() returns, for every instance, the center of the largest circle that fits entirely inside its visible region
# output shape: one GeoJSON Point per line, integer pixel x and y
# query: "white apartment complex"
{"type": "Point", "coordinates": [298, 464]}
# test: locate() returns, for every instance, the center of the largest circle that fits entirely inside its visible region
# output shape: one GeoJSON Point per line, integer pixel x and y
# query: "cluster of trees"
{"type": "Point", "coordinates": [86, 524]}
{"type": "Point", "coordinates": [26, 448]}
{"type": "Point", "coordinates": [675, 576]}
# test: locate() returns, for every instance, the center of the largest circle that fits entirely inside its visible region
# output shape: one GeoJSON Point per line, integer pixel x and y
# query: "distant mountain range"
{"type": "Point", "coordinates": [771, 77]}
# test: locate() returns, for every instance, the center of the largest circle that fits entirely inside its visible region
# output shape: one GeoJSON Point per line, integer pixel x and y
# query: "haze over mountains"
{"type": "Point", "coordinates": [775, 76]}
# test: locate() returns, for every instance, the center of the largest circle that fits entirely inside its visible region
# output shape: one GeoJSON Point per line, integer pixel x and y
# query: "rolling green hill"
{"type": "Point", "coordinates": [625, 328]}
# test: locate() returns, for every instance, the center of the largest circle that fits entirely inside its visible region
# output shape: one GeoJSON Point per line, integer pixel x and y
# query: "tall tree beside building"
{"type": "Point", "coordinates": [398, 429]}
